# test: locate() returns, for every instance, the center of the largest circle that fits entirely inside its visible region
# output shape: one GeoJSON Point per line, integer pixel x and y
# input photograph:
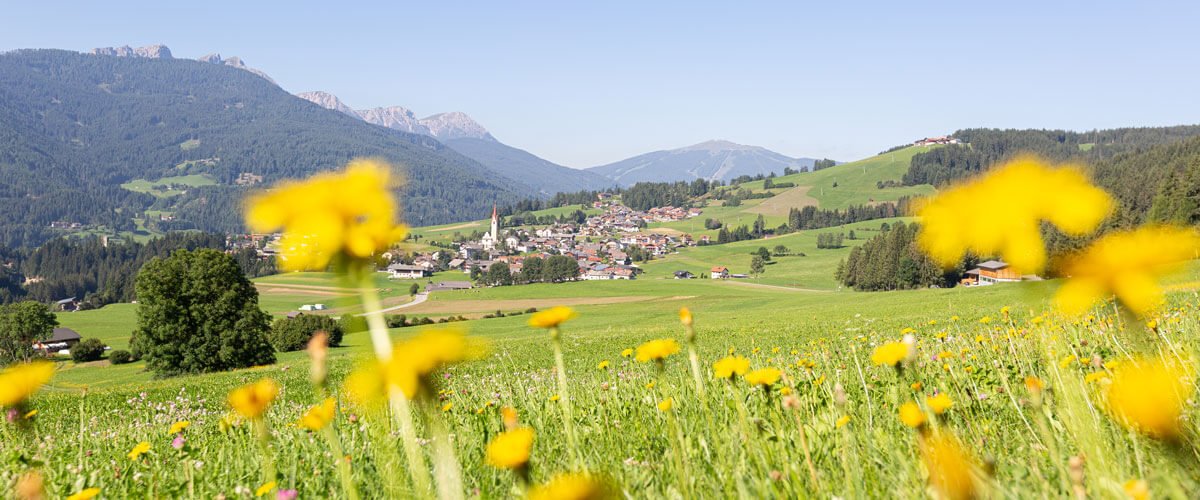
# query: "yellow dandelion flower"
{"type": "Point", "coordinates": [554, 398]}
{"type": "Point", "coordinates": [351, 213]}
{"type": "Point", "coordinates": [912, 415]}
{"type": "Point", "coordinates": [412, 363]}
{"type": "Point", "coordinates": [30, 414]}
{"type": "Point", "coordinates": [1095, 377]}
{"type": "Point", "coordinates": [685, 316]}
{"type": "Point", "coordinates": [731, 366]}
{"type": "Point", "coordinates": [940, 403]}
{"type": "Point", "coordinates": [140, 449]}
{"type": "Point", "coordinates": [572, 486]}
{"type": "Point", "coordinates": [820, 380]}
{"type": "Point", "coordinates": [252, 400]}
{"type": "Point", "coordinates": [19, 382]}
{"type": "Point", "coordinates": [447, 407]}
{"type": "Point", "coordinates": [1000, 213]}
{"type": "Point", "coordinates": [508, 415]}
{"type": "Point", "coordinates": [666, 404]}
{"type": "Point", "coordinates": [85, 494]}
{"type": "Point", "coordinates": [916, 386]}
{"type": "Point", "coordinates": [1149, 396]}
{"type": "Point", "coordinates": [763, 376]}
{"type": "Point", "coordinates": [603, 365]}
{"type": "Point", "coordinates": [317, 417]}
{"type": "Point", "coordinates": [264, 489]}
{"type": "Point", "coordinates": [178, 427]}
{"type": "Point", "coordinates": [890, 354]}
{"type": "Point", "coordinates": [1128, 265]}
{"type": "Point", "coordinates": [1034, 384]}
{"type": "Point", "coordinates": [650, 384]}
{"type": "Point", "coordinates": [949, 467]}
{"type": "Point", "coordinates": [551, 318]}
{"type": "Point", "coordinates": [510, 449]}
{"type": "Point", "coordinates": [1066, 361]}
{"type": "Point", "coordinates": [1137, 489]}
{"type": "Point", "coordinates": [657, 350]}
{"type": "Point", "coordinates": [627, 353]}
{"type": "Point", "coordinates": [785, 391]}
{"type": "Point", "coordinates": [841, 422]}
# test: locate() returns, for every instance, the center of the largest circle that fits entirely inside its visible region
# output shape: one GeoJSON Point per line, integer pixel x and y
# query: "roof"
{"type": "Point", "coordinates": [450, 285]}
{"type": "Point", "coordinates": [404, 267]}
{"type": "Point", "coordinates": [63, 334]}
{"type": "Point", "coordinates": [66, 301]}
{"type": "Point", "coordinates": [992, 265]}
{"type": "Point", "coordinates": [719, 269]}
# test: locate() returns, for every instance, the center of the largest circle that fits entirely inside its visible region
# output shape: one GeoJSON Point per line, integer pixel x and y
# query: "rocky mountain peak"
{"type": "Point", "coordinates": [235, 62]}
{"type": "Point", "coordinates": [327, 101]}
{"type": "Point", "coordinates": [149, 51]}
{"type": "Point", "coordinates": [455, 125]}
{"type": "Point", "coordinates": [395, 117]}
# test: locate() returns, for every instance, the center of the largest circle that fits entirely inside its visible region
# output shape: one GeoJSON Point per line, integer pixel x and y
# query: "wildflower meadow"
{"type": "Point", "coordinates": [1078, 387]}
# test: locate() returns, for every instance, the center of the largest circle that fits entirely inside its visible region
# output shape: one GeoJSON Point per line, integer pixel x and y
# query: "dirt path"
{"type": "Point", "coordinates": [418, 299]}
{"type": "Point", "coordinates": [464, 225]}
{"type": "Point", "coordinates": [465, 306]}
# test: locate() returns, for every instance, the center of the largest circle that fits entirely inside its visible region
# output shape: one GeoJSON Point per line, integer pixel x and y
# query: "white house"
{"type": "Point", "coordinates": [404, 271]}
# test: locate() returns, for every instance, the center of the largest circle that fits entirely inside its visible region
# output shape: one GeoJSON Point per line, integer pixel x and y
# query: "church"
{"type": "Point", "coordinates": [492, 239]}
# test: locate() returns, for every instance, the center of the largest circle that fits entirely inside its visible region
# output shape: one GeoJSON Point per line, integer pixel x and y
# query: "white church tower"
{"type": "Point", "coordinates": [491, 239]}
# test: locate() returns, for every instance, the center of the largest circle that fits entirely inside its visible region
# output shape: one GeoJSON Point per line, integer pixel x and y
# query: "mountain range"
{"type": "Point", "coordinates": [75, 128]}
{"type": "Point", "coordinates": [710, 160]}
{"type": "Point", "coordinates": [461, 133]}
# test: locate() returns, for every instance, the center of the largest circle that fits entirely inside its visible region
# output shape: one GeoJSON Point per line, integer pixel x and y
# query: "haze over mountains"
{"type": "Point", "coordinates": [711, 160]}
{"type": "Point", "coordinates": [463, 134]}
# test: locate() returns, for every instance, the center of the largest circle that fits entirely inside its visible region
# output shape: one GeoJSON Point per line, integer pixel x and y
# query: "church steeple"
{"type": "Point", "coordinates": [495, 224]}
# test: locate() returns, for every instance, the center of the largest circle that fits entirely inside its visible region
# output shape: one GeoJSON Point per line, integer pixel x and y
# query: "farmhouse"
{"type": "Point", "coordinates": [404, 271]}
{"type": "Point", "coordinates": [684, 275]}
{"type": "Point", "coordinates": [67, 304]}
{"type": "Point", "coordinates": [61, 339]}
{"type": "Point", "coordinates": [992, 272]}
{"type": "Point", "coordinates": [720, 272]}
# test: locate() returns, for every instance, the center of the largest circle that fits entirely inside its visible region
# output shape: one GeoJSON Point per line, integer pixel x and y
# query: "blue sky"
{"type": "Point", "coordinates": [584, 85]}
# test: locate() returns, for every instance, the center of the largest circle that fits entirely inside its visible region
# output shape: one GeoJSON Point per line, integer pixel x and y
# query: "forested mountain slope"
{"type": "Point", "coordinates": [74, 127]}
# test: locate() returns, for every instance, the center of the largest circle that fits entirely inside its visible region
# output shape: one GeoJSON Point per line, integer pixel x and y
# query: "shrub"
{"type": "Point", "coordinates": [87, 350]}
{"type": "Point", "coordinates": [293, 334]}
{"type": "Point", "coordinates": [120, 357]}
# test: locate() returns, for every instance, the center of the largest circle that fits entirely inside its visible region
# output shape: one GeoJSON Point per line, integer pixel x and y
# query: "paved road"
{"type": "Point", "coordinates": [417, 299]}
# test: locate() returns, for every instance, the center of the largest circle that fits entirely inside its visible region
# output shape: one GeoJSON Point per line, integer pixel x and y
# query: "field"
{"type": "Point", "coordinates": [146, 186]}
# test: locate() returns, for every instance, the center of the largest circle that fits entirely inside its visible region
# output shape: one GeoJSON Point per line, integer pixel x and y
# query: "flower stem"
{"type": "Point", "coordinates": [449, 476]}
{"type": "Point", "coordinates": [348, 487]}
{"type": "Point", "coordinates": [564, 399]}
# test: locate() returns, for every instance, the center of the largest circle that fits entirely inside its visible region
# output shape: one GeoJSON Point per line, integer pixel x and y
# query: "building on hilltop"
{"type": "Point", "coordinates": [995, 271]}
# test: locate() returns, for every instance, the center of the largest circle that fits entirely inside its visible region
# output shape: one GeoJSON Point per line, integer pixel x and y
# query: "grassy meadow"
{"type": "Point", "coordinates": [735, 440]}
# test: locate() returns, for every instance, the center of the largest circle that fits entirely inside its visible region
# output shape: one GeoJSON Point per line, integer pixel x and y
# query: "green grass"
{"type": "Point", "coordinates": [622, 434]}
{"type": "Point", "coordinates": [147, 186]}
{"type": "Point", "coordinates": [112, 324]}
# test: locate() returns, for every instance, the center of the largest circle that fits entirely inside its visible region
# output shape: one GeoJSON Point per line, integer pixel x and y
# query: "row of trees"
{"type": "Point", "coordinates": [892, 261]}
{"type": "Point", "coordinates": [553, 269]}
{"type": "Point", "coordinates": [811, 217]}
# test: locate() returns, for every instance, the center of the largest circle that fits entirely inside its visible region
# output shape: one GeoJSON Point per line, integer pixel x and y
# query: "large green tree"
{"type": "Point", "coordinates": [197, 312]}
{"type": "Point", "coordinates": [292, 334]}
{"type": "Point", "coordinates": [22, 324]}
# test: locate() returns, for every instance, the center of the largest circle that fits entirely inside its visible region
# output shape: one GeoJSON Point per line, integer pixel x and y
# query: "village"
{"type": "Point", "coordinates": [605, 246]}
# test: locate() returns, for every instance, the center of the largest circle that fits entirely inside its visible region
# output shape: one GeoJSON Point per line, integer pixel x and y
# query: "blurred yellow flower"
{"type": "Point", "coordinates": [510, 449]}
{"type": "Point", "coordinates": [85, 494]}
{"type": "Point", "coordinates": [412, 363]}
{"type": "Point", "coordinates": [554, 397]}
{"type": "Point", "coordinates": [1127, 264]}
{"type": "Point", "coordinates": [1149, 396]}
{"type": "Point", "coordinates": [140, 449]}
{"type": "Point", "coordinates": [627, 353]}
{"type": "Point", "coordinates": [551, 318]}
{"type": "Point", "coordinates": [685, 316]}
{"type": "Point", "coordinates": [940, 403]}
{"type": "Point", "coordinates": [666, 404]}
{"type": "Point", "coordinates": [19, 382]}
{"type": "Point", "coordinates": [890, 354]}
{"type": "Point", "coordinates": [1137, 489]}
{"type": "Point", "coordinates": [508, 415]}
{"type": "Point", "coordinates": [178, 427]}
{"type": "Point", "coordinates": [1034, 384]}
{"type": "Point", "coordinates": [264, 489]}
{"type": "Point", "coordinates": [252, 400]}
{"type": "Point", "coordinates": [351, 213]}
{"type": "Point", "coordinates": [949, 467]}
{"type": "Point", "coordinates": [763, 376]}
{"type": "Point", "coordinates": [912, 415]}
{"type": "Point", "coordinates": [730, 366]}
{"type": "Point", "coordinates": [1000, 213]}
{"type": "Point", "coordinates": [446, 407]}
{"type": "Point", "coordinates": [572, 486]}
{"type": "Point", "coordinates": [32, 486]}
{"type": "Point", "coordinates": [657, 350]}
{"type": "Point", "coordinates": [841, 422]}
{"type": "Point", "coordinates": [916, 386]}
{"type": "Point", "coordinates": [603, 365]}
{"type": "Point", "coordinates": [317, 417]}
